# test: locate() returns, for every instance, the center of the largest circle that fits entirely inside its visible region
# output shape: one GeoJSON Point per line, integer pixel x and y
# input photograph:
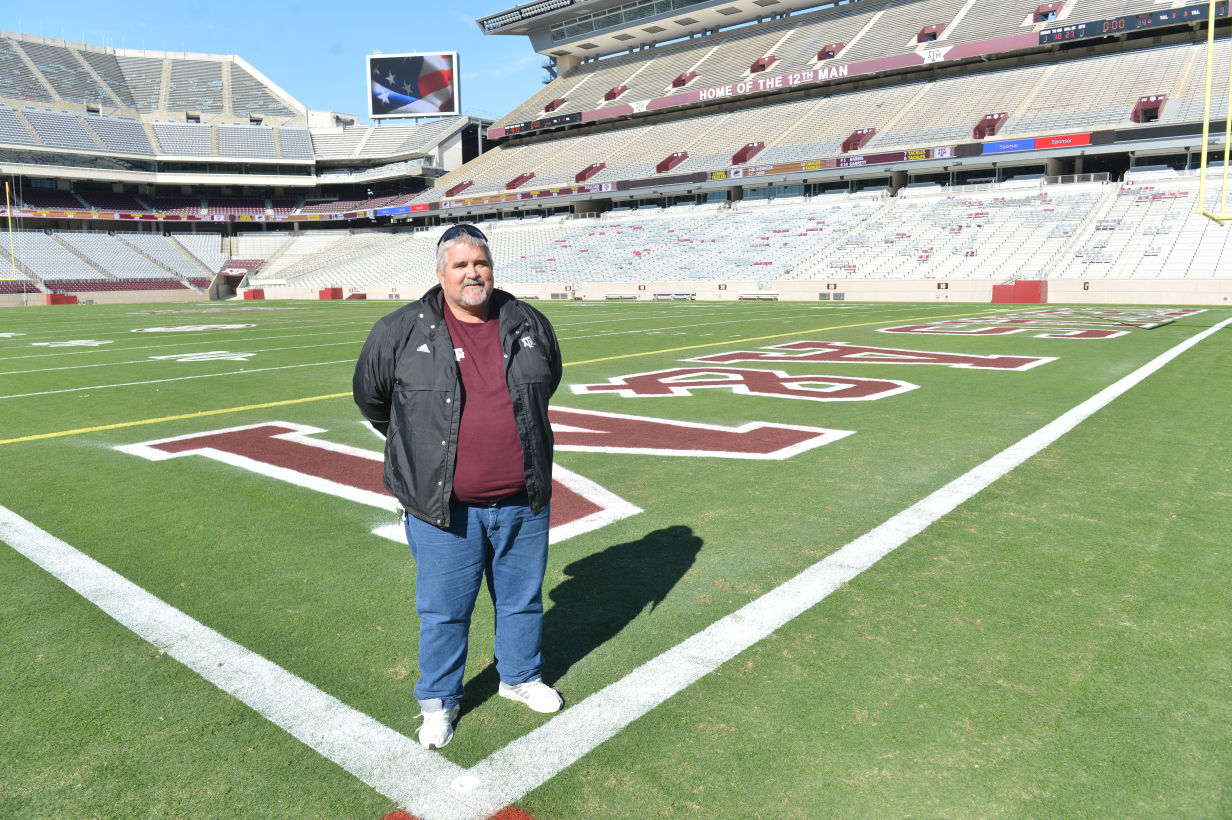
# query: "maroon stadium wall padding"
{"type": "Point", "coordinates": [61, 299]}
{"type": "Point", "coordinates": [255, 293]}
{"type": "Point", "coordinates": [330, 293]}
{"type": "Point", "coordinates": [1026, 292]}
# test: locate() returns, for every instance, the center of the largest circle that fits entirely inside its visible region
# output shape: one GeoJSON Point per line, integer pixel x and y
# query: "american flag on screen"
{"type": "Point", "coordinates": [419, 84]}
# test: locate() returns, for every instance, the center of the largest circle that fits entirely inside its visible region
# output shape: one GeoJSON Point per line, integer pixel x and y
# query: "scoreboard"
{"type": "Point", "coordinates": [545, 122]}
{"type": "Point", "coordinates": [1130, 22]}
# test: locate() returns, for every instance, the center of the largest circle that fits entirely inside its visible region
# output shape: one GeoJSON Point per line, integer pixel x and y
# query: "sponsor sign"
{"type": "Point", "coordinates": [1037, 143]}
{"type": "Point", "coordinates": [1006, 146]}
{"type": "Point", "coordinates": [1062, 141]}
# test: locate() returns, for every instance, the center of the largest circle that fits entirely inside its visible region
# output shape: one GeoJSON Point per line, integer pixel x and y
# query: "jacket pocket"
{"type": "Point", "coordinates": [529, 365]}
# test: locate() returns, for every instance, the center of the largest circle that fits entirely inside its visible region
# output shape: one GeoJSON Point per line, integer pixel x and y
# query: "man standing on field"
{"type": "Point", "coordinates": [458, 383]}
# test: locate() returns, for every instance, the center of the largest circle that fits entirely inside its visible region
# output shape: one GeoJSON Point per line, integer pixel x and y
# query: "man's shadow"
{"type": "Point", "coordinates": [603, 593]}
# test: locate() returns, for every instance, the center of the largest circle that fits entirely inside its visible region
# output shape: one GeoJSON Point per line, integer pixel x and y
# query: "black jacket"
{"type": "Point", "coordinates": [406, 383]}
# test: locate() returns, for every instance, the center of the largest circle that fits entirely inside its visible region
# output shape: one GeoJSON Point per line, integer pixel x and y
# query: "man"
{"type": "Point", "coordinates": [458, 383]}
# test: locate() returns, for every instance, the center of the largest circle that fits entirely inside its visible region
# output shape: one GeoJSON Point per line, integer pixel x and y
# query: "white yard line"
{"type": "Point", "coordinates": [158, 360]}
{"type": "Point", "coordinates": [358, 339]}
{"type": "Point", "coordinates": [175, 379]}
{"type": "Point", "coordinates": [427, 784]}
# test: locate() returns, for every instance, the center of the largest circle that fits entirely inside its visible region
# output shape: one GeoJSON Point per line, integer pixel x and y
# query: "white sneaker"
{"type": "Point", "coordinates": [534, 693]}
{"type": "Point", "coordinates": [437, 729]}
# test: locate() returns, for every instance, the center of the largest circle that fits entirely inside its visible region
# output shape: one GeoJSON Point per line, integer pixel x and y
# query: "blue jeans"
{"type": "Point", "coordinates": [504, 542]}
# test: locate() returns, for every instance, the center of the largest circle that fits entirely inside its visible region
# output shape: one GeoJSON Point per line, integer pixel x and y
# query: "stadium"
{"type": "Point", "coordinates": [953, 147]}
{"type": "Point", "coordinates": [892, 450]}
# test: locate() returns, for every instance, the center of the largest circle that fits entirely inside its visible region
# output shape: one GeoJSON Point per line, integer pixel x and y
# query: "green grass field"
{"type": "Point", "coordinates": [1055, 643]}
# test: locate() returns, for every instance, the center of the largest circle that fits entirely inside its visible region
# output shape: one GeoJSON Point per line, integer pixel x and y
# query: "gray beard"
{"type": "Point", "coordinates": [474, 301]}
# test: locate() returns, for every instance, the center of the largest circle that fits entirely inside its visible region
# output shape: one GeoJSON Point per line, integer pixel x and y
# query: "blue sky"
{"type": "Point", "coordinates": [313, 49]}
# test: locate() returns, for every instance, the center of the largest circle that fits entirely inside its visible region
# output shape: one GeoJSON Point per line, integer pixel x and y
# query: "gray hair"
{"type": "Point", "coordinates": [442, 250]}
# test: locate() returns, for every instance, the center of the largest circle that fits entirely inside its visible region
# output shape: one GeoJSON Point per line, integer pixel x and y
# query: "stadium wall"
{"type": "Point", "coordinates": [108, 297]}
{"type": "Point", "coordinates": [964, 291]}
{"type": "Point", "coordinates": [1060, 291]}
{"type": "Point", "coordinates": [1141, 291]}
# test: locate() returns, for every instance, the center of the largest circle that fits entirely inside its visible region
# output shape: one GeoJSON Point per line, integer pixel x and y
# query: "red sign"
{"type": "Point", "coordinates": [1062, 141]}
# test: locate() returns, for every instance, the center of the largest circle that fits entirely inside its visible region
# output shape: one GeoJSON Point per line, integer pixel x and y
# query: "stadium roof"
{"type": "Point", "coordinates": [595, 28]}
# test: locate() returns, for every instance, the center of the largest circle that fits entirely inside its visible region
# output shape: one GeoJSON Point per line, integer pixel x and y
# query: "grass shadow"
{"type": "Point", "coordinates": [602, 594]}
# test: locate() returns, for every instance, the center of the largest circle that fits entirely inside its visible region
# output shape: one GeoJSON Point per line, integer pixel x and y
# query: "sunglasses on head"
{"type": "Point", "coordinates": [457, 230]}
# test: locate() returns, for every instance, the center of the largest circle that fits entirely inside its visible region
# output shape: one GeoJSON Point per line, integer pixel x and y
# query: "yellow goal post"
{"type": "Point", "coordinates": [8, 273]}
{"type": "Point", "coordinates": [1219, 214]}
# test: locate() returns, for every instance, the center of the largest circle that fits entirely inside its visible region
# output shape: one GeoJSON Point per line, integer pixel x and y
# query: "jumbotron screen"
{"type": "Point", "coordinates": [413, 85]}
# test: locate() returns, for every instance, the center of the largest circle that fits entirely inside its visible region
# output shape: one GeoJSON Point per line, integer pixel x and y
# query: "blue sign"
{"type": "Point", "coordinates": [1005, 146]}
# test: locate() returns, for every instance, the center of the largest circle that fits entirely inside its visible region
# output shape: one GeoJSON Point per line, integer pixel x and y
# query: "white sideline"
{"type": "Point", "coordinates": [376, 754]}
{"type": "Point", "coordinates": [427, 784]}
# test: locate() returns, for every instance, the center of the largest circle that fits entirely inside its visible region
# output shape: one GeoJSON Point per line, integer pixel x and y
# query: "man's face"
{"type": "Point", "coordinates": [466, 279]}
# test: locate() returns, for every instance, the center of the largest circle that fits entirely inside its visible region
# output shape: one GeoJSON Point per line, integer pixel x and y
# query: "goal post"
{"type": "Point", "coordinates": [8, 273]}
{"type": "Point", "coordinates": [1217, 211]}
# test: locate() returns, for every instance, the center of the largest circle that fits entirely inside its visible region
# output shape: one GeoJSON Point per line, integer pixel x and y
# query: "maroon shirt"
{"type": "Point", "coordinates": [489, 463]}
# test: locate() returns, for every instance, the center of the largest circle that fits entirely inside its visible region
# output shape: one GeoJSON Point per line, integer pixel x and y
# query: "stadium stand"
{"type": "Point", "coordinates": [942, 236]}
{"type": "Point", "coordinates": [121, 135]}
{"type": "Point", "coordinates": [111, 201]}
{"type": "Point", "coordinates": [1185, 103]}
{"type": "Point", "coordinates": [205, 248]}
{"type": "Point", "coordinates": [57, 200]}
{"type": "Point", "coordinates": [183, 138]}
{"type": "Point", "coordinates": [108, 69]}
{"type": "Point", "coordinates": [114, 257]}
{"type": "Point", "coordinates": [69, 78]}
{"type": "Point", "coordinates": [288, 250]}
{"type": "Point", "coordinates": [249, 95]}
{"type": "Point", "coordinates": [50, 260]}
{"type": "Point", "coordinates": [342, 205]}
{"type": "Point", "coordinates": [906, 114]}
{"type": "Point", "coordinates": [168, 254]}
{"type": "Point", "coordinates": [195, 85]}
{"type": "Point", "coordinates": [60, 129]}
{"type": "Point", "coordinates": [235, 205]}
{"type": "Point", "coordinates": [1063, 103]}
{"type": "Point", "coordinates": [693, 154]}
{"type": "Point", "coordinates": [184, 206]}
{"type": "Point", "coordinates": [13, 131]}
{"type": "Point", "coordinates": [17, 81]}
{"type": "Point", "coordinates": [143, 78]}
{"type": "Point", "coordinates": [929, 118]}
{"type": "Point", "coordinates": [246, 141]}
{"type": "Point", "coordinates": [1015, 230]}
{"type": "Point", "coordinates": [124, 261]}
{"type": "Point", "coordinates": [296, 143]}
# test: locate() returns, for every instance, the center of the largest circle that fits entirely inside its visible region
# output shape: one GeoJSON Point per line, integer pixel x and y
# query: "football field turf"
{"type": "Point", "coordinates": [808, 560]}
